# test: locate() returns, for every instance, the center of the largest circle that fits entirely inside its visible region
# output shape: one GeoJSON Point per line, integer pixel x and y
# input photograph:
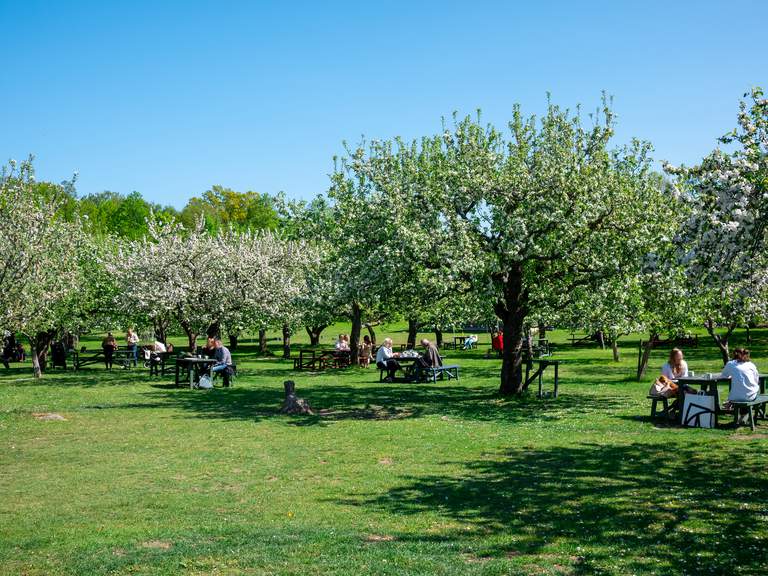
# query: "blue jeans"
{"type": "Point", "coordinates": [225, 371]}
{"type": "Point", "coordinates": [133, 350]}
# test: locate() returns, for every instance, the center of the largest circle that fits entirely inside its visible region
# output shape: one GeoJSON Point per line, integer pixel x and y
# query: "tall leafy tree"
{"type": "Point", "coordinates": [529, 216]}
{"type": "Point", "coordinates": [223, 208]}
{"type": "Point", "coordinates": [40, 272]}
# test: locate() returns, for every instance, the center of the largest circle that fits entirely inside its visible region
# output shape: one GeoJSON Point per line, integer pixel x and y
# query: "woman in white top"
{"type": "Point", "coordinates": [745, 379]}
{"type": "Point", "coordinates": [675, 367]}
{"type": "Point", "coordinates": [385, 359]}
{"type": "Point", "coordinates": [342, 344]}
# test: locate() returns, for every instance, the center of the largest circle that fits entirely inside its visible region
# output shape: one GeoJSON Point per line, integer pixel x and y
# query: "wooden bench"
{"type": "Point", "coordinates": [753, 409]}
{"type": "Point", "coordinates": [667, 409]}
{"type": "Point", "coordinates": [451, 370]}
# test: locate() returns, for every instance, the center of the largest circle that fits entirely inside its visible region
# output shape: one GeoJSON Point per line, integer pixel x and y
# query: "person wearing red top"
{"type": "Point", "coordinates": [497, 342]}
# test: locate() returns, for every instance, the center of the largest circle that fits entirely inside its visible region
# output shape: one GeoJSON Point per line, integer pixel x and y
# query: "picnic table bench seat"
{"type": "Point", "coordinates": [449, 370]}
{"type": "Point", "coordinates": [666, 412]}
{"type": "Point", "coordinates": [753, 409]}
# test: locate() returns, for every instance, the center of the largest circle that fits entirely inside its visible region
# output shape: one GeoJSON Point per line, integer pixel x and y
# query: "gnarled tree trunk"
{"type": "Point", "coordinates": [354, 336]}
{"type": "Point", "coordinates": [512, 310]}
{"type": "Point", "coordinates": [314, 334]}
{"type": "Point", "coordinates": [645, 356]}
{"type": "Point", "coordinates": [615, 349]}
{"type": "Point", "coordinates": [372, 332]}
{"type": "Point", "coordinates": [38, 351]}
{"type": "Point", "coordinates": [438, 337]}
{"type": "Point", "coordinates": [721, 341]}
{"type": "Point", "coordinates": [286, 341]}
{"type": "Point", "coordinates": [191, 336]}
{"type": "Point", "coordinates": [233, 340]}
{"type": "Point", "coordinates": [263, 341]}
{"type": "Point", "coordinates": [413, 329]}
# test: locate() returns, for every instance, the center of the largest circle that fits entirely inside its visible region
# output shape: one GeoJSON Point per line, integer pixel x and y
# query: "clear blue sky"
{"type": "Point", "coordinates": [169, 98]}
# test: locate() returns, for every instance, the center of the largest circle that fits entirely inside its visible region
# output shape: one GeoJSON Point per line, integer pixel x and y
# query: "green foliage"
{"type": "Point", "coordinates": [222, 208]}
{"type": "Point", "coordinates": [110, 213]}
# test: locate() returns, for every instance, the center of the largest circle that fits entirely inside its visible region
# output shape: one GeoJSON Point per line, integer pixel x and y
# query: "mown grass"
{"type": "Point", "coordinates": [146, 478]}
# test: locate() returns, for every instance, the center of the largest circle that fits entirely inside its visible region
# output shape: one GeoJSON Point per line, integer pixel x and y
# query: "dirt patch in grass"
{"type": "Point", "coordinates": [157, 544]}
{"type": "Point", "coordinates": [385, 461]}
{"type": "Point", "coordinates": [48, 416]}
{"type": "Point", "coordinates": [379, 538]}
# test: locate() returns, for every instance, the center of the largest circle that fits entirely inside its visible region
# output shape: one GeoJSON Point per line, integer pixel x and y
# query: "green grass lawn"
{"type": "Point", "coordinates": [145, 478]}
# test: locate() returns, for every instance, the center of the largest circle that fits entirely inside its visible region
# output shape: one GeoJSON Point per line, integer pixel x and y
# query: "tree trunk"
{"type": "Point", "coordinates": [371, 333]}
{"type": "Point", "coordinates": [615, 349]}
{"type": "Point", "coordinates": [263, 341]}
{"type": "Point", "coordinates": [286, 341]}
{"type": "Point", "coordinates": [438, 337]}
{"type": "Point", "coordinates": [413, 329]}
{"type": "Point", "coordinates": [512, 311]}
{"type": "Point", "coordinates": [601, 339]}
{"type": "Point", "coordinates": [38, 351]}
{"type": "Point", "coordinates": [233, 337]}
{"type": "Point", "coordinates": [646, 356]}
{"type": "Point", "coordinates": [160, 329]}
{"type": "Point", "coordinates": [191, 336]}
{"type": "Point", "coordinates": [749, 334]}
{"type": "Point", "coordinates": [354, 336]}
{"type": "Point", "coordinates": [292, 403]}
{"type": "Point", "coordinates": [314, 334]}
{"type": "Point", "coordinates": [542, 331]}
{"type": "Point", "coordinates": [721, 341]}
{"type": "Point", "coordinates": [214, 330]}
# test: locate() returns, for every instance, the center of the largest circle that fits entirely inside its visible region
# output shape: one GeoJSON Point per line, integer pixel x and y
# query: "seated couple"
{"type": "Point", "coordinates": [387, 360]}
{"type": "Point", "coordinates": [745, 378]}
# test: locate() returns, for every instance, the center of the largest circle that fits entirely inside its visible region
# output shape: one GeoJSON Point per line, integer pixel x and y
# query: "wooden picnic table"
{"type": "Point", "coordinates": [194, 366]}
{"type": "Point", "coordinates": [709, 384]}
{"type": "Point", "coordinates": [539, 372]}
{"type": "Point", "coordinates": [407, 367]}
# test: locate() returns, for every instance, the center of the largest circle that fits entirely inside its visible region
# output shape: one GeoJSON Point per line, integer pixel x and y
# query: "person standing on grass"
{"type": "Point", "coordinates": [385, 360]}
{"type": "Point", "coordinates": [366, 349]}
{"type": "Point", "coordinates": [109, 345]}
{"type": "Point", "coordinates": [132, 345]}
{"type": "Point", "coordinates": [497, 342]}
{"type": "Point", "coordinates": [223, 361]}
{"type": "Point", "coordinates": [676, 367]}
{"type": "Point", "coordinates": [745, 378]}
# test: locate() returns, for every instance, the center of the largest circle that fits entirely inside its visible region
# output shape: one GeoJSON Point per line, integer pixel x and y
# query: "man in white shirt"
{"type": "Point", "coordinates": [385, 360]}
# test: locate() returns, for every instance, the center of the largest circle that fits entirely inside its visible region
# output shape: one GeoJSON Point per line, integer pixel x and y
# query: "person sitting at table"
{"type": "Point", "coordinates": [675, 367]}
{"type": "Point", "coordinates": [109, 345]}
{"type": "Point", "coordinates": [159, 347]}
{"type": "Point", "coordinates": [385, 360]}
{"type": "Point", "coordinates": [342, 344]}
{"type": "Point", "coordinates": [470, 341]}
{"type": "Point", "coordinates": [745, 379]}
{"type": "Point", "coordinates": [430, 359]}
{"type": "Point", "coordinates": [223, 364]}
{"type": "Point", "coordinates": [366, 348]}
{"type": "Point", "coordinates": [210, 347]}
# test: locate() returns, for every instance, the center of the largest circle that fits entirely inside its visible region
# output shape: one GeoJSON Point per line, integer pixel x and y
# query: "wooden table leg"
{"type": "Point", "coordinates": [556, 379]}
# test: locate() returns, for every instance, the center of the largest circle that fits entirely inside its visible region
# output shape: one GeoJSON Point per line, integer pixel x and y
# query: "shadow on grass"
{"type": "Point", "coordinates": [615, 509]}
{"type": "Point", "coordinates": [334, 402]}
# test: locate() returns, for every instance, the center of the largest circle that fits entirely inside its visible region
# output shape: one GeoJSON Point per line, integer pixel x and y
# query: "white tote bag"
{"type": "Point", "coordinates": [699, 410]}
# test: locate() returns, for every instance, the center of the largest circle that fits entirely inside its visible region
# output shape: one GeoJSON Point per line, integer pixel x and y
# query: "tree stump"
{"type": "Point", "coordinates": [292, 403]}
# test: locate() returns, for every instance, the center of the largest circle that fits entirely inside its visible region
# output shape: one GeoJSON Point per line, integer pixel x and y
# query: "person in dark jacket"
{"type": "Point", "coordinates": [430, 359]}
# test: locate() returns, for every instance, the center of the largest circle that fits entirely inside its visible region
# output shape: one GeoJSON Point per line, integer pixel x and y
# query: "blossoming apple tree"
{"type": "Point", "coordinates": [529, 216]}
